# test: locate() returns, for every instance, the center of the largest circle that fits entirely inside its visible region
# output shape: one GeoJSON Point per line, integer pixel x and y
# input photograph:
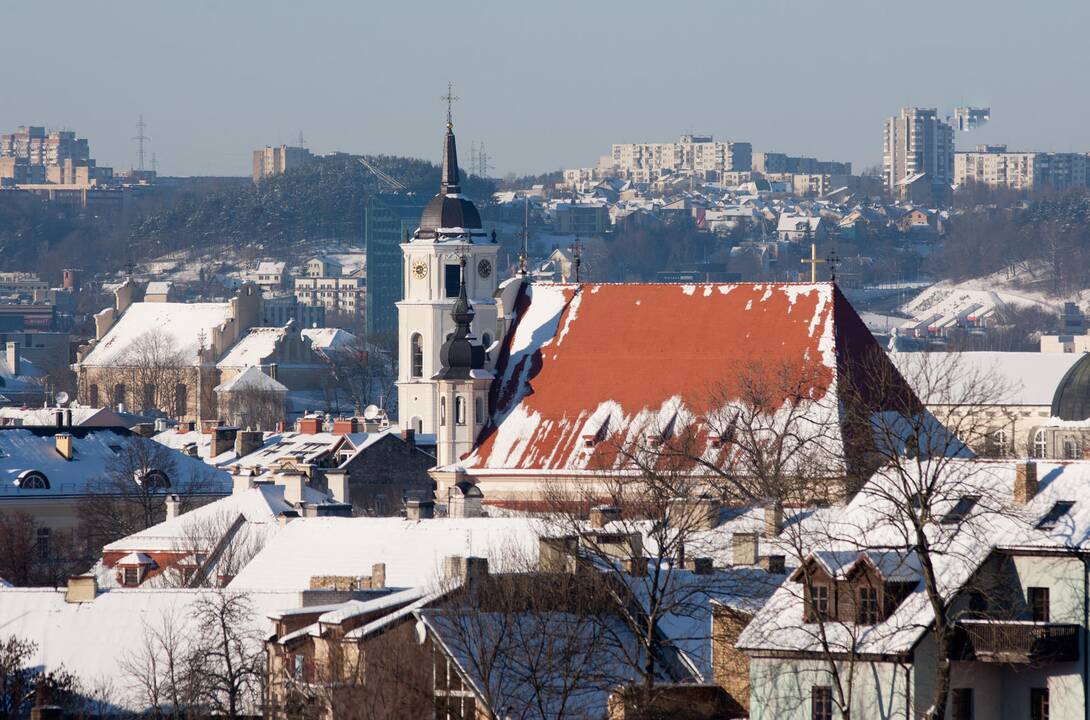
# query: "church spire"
{"type": "Point", "coordinates": [460, 355]}
{"type": "Point", "coordinates": [450, 152]}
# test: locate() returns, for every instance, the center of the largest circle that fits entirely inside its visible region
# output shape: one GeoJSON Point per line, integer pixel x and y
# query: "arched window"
{"type": "Point", "coordinates": [417, 359]}
{"type": "Point", "coordinates": [154, 479]}
{"type": "Point", "coordinates": [1071, 449]}
{"type": "Point", "coordinates": [1040, 444]}
{"type": "Point", "coordinates": [181, 400]}
{"type": "Point", "coordinates": [1000, 443]}
{"type": "Point", "coordinates": [442, 411]}
{"type": "Point", "coordinates": [119, 394]}
{"type": "Point", "coordinates": [460, 410]}
{"type": "Point", "coordinates": [478, 411]}
{"type": "Point", "coordinates": [32, 480]}
{"type": "Point", "coordinates": [92, 395]}
{"type": "Point", "coordinates": [486, 340]}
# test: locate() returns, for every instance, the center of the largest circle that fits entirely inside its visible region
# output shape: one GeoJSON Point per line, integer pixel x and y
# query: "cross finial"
{"type": "Point", "coordinates": [813, 262]}
{"type": "Point", "coordinates": [450, 99]}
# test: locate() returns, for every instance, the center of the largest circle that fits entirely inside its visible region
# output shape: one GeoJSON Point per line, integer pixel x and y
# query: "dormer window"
{"type": "Point", "coordinates": [867, 606]}
{"type": "Point", "coordinates": [819, 599]}
{"type": "Point", "coordinates": [961, 509]}
{"type": "Point", "coordinates": [32, 480]}
{"type": "Point", "coordinates": [1053, 516]}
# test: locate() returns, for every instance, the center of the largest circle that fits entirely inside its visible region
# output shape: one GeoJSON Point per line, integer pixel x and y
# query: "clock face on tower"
{"type": "Point", "coordinates": [484, 268]}
{"type": "Point", "coordinates": [420, 269]}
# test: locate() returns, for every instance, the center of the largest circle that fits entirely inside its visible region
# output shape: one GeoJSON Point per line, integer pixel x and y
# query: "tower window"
{"type": "Point", "coordinates": [452, 275]}
{"type": "Point", "coordinates": [442, 411]}
{"type": "Point", "coordinates": [460, 410]}
{"type": "Point", "coordinates": [417, 360]}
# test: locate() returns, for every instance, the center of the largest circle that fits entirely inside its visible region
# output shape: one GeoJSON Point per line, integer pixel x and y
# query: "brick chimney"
{"type": "Point", "coordinates": [310, 425]}
{"type": "Point", "coordinates": [248, 441]}
{"type": "Point", "coordinates": [337, 482]}
{"type": "Point", "coordinates": [345, 426]}
{"type": "Point", "coordinates": [64, 445]}
{"type": "Point", "coordinates": [409, 436]}
{"type": "Point", "coordinates": [1025, 482]}
{"type": "Point", "coordinates": [600, 515]}
{"type": "Point", "coordinates": [378, 575]}
{"type": "Point", "coordinates": [419, 509]}
{"type": "Point", "coordinates": [293, 487]}
{"type": "Point", "coordinates": [700, 565]}
{"type": "Point", "coordinates": [695, 513]}
{"type": "Point", "coordinates": [173, 504]}
{"type": "Point", "coordinates": [744, 548]}
{"type": "Point", "coordinates": [773, 517]}
{"type": "Point", "coordinates": [81, 588]}
{"type": "Point", "coordinates": [223, 440]}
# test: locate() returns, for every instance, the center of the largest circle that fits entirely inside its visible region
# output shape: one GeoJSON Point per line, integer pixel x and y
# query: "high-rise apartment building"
{"type": "Point", "coordinates": [994, 166]}
{"type": "Point", "coordinates": [698, 154]}
{"type": "Point", "coordinates": [918, 145]}
{"type": "Point", "coordinates": [272, 160]}
{"type": "Point", "coordinates": [32, 155]}
{"type": "Point", "coordinates": [774, 162]}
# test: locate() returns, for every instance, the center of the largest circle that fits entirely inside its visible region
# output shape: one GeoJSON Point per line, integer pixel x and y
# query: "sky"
{"type": "Point", "coordinates": [544, 85]}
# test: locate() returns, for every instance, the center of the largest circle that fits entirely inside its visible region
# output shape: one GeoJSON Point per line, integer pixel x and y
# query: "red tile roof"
{"type": "Point", "coordinates": [590, 361]}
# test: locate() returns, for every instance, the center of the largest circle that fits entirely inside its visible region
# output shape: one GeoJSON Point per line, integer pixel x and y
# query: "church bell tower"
{"type": "Point", "coordinates": [448, 257]}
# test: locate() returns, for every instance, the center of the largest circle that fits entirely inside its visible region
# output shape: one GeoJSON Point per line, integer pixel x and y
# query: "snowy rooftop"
{"type": "Point", "coordinates": [254, 379]}
{"type": "Point", "coordinates": [180, 323]}
{"type": "Point", "coordinates": [413, 551]}
{"type": "Point", "coordinates": [1024, 378]}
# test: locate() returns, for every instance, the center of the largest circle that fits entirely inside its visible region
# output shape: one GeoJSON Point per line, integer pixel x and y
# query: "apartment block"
{"type": "Point", "coordinates": [699, 154]}
{"type": "Point", "coordinates": [276, 160]}
{"type": "Point", "coordinates": [34, 156]}
{"type": "Point", "coordinates": [774, 162]}
{"type": "Point", "coordinates": [996, 167]}
{"type": "Point", "coordinates": [918, 145]}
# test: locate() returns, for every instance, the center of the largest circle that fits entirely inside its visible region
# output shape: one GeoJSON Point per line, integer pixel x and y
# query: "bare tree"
{"type": "Point", "coordinates": [149, 372]}
{"type": "Point", "coordinates": [229, 652]}
{"type": "Point", "coordinates": [252, 407]}
{"type": "Point", "coordinates": [218, 546]}
{"type": "Point", "coordinates": [165, 671]}
{"type": "Point", "coordinates": [130, 496]}
{"type": "Point", "coordinates": [363, 373]}
{"type": "Point", "coordinates": [23, 685]}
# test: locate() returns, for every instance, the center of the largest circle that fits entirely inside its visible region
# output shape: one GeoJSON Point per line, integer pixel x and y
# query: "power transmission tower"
{"type": "Point", "coordinates": [140, 139]}
{"type": "Point", "coordinates": [154, 164]}
{"type": "Point", "coordinates": [301, 141]}
{"type": "Point", "coordinates": [482, 161]}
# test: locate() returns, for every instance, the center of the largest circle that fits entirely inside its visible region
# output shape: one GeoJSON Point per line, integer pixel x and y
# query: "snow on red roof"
{"type": "Point", "coordinates": [584, 361]}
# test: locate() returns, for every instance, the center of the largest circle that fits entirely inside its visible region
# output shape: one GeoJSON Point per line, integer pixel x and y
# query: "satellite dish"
{"type": "Point", "coordinates": [371, 412]}
{"type": "Point", "coordinates": [62, 397]}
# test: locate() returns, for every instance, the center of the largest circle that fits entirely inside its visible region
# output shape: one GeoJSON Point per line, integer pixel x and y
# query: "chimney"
{"type": "Point", "coordinates": [173, 503]}
{"type": "Point", "coordinates": [558, 554]}
{"type": "Point", "coordinates": [293, 487]}
{"type": "Point", "coordinates": [773, 525]}
{"type": "Point", "coordinates": [409, 436]}
{"type": "Point", "coordinates": [64, 445]}
{"type": "Point", "coordinates": [58, 417]}
{"type": "Point", "coordinates": [600, 515]}
{"type": "Point", "coordinates": [68, 417]}
{"type": "Point", "coordinates": [345, 426]}
{"type": "Point", "coordinates": [744, 547]}
{"type": "Point", "coordinates": [635, 565]}
{"type": "Point", "coordinates": [161, 425]}
{"type": "Point", "coordinates": [337, 482]}
{"type": "Point", "coordinates": [419, 509]}
{"type": "Point", "coordinates": [223, 440]}
{"type": "Point", "coordinates": [248, 441]}
{"type": "Point", "coordinates": [470, 570]}
{"type": "Point", "coordinates": [378, 576]}
{"type": "Point", "coordinates": [241, 483]}
{"type": "Point", "coordinates": [281, 426]}
{"type": "Point", "coordinates": [1025, 482]}
{"type": "Point", "coordinates": [310, 425]}
{"type": "Point", "coordinates": [81, 589]}
{"type": "Point", "coordinates": [695, 513]}
{"type": "Point", "coordinates": [13, 357]}
{"type": "Point", "coordinates": [272, 371]}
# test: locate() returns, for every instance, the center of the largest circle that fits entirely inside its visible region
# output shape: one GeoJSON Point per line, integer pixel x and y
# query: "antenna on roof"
{"type": "Point", "coordinates": [577, 254]}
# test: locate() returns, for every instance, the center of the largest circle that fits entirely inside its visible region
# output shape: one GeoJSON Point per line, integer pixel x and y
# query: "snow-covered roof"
{"type": "Point", "coordinates": [329, 338]}
{"type": "Point", "coordinates": [252, 378]}
{"type": "Point", "coordinates": [180, 324]}
{"type": "Point", "coordinates": [869, 527]}
{"type": "Point", "coordinates": [269, 267]}
{"type": "Point", "coordinates": [609, 362]}
{"type": "Point", "coordinates": [96, 640]}
{"type": "Point", "coordinates": [1022, 378]}
{"type": "Point", "coordinates": [24, 451]}
{"type": "Point", "coordinates": [413, 551]}
{"type": "Point", "coordinates": [47, 416]}
{"type": "Point", "coordinates": [254, 348]}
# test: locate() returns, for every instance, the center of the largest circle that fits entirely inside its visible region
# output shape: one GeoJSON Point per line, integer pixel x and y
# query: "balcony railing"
{"type": "Point", "coordinates": [1018, 642]}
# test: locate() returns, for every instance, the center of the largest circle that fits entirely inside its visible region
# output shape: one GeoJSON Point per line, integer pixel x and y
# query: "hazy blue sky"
{"type": "Point", "coordinates": [543, 84]}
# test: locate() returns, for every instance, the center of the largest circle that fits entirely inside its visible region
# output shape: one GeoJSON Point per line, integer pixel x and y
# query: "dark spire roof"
{"type": "Point", "coordinates": [449, 209]}
{"type": "Point", "coordinates": [460, 354]}
{"type": "Point", "coordinates": [1072, 398]}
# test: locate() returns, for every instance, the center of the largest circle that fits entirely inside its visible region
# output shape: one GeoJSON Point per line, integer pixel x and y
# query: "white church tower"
{"type": "Point", "coordinates": [434, 275]}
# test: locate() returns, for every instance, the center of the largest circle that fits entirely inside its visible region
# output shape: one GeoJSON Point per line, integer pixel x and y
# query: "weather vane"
{"type": "Point", "coordinates": [450, 99]}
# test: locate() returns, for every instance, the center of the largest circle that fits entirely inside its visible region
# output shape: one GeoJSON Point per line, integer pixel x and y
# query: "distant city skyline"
{"type": "Point", "coordinates": [544, 89]}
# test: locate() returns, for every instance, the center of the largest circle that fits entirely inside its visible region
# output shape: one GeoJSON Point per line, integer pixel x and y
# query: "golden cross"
{"type": "Point", "coordinates": [450, 97]}
{"type": "Point", "coordinates": [813, 262]}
